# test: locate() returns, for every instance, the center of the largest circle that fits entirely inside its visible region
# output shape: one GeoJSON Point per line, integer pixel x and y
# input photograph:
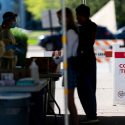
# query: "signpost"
{"type": "Point", "coordinates": [119, 74]}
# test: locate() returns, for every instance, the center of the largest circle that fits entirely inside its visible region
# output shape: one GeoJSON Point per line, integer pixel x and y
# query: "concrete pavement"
{"type": "Point", "coordinates": [104, 92]}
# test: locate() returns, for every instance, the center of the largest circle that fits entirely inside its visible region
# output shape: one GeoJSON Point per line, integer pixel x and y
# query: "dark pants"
{"type": "Point", "coordinates": [87, 86]}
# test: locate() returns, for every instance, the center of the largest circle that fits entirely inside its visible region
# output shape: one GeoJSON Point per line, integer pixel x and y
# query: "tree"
{"type": "Point", "coordinates": [120, 12]}
{"type": "Point", "coordinates": [95, 5]}
{"type": "Point", "coordinates": [35, 7]}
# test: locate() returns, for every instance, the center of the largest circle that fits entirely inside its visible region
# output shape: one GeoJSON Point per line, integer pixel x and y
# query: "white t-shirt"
{"type": "Point", "coordinates": [72, 45]}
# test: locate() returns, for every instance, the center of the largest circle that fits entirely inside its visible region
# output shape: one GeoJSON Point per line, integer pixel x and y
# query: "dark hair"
{"type": "Point", "coordinates": [69, 16]}
{"type": "Point", "coordinates": [9, 15]}
{"type": "Point", "coordinates": [83, 10]}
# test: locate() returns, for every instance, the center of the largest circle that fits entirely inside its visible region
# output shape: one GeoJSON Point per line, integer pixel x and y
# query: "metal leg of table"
{"type": "Point", "coordinates": [52, 98]}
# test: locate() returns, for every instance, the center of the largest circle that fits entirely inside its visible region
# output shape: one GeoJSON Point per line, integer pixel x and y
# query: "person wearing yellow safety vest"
{"type": "Point", "coordinates": [8, 59]}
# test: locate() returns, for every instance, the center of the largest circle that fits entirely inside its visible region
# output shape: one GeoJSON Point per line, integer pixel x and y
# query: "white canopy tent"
{"type": "Point", "coordinates": [106, 16]}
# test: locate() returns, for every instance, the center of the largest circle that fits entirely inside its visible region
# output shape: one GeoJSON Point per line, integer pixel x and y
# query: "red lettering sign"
{"type": "Point", "coordinates": [119, 54]}
{"type": "Point", "coordinates": [122, 65]}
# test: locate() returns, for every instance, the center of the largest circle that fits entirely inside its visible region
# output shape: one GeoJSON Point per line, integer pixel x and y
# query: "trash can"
{"type": "Point", "coordinates": [14, 108]}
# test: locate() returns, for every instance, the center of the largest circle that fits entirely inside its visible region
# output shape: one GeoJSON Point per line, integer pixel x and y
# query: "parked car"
{"type": "Point", "coordinates": [120, 34]}
{"type": "Point", "coordinates": [53, 42]}
{"type": "Point", "coordinates": [104, 33]}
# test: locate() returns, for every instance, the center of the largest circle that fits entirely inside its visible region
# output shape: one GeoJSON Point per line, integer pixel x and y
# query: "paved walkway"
{"type": "Point", "coordinates": [104, 94]}
{"type": "Point", "coordinates": [104, 89]}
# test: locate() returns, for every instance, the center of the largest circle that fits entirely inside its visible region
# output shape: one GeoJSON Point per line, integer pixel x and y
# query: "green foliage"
{"type": "Point", "coordinates": [32, 41]}
{"type": "Point", "coordinates": [94, 5]}
{"type": "Point", "coordinates": [21, 40]}
{"type": "Point", "coordinates": [33, 36]}
{"type": "Point", "coordinates": [36, 7]}
{"type": "Point", "coordinates": [120, 12]}
{"type": "Point", "coordinates": [19, 35]}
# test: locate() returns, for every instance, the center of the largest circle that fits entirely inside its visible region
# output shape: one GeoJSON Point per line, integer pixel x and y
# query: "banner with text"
{"type": "Point", "coordinates": [119, 74]}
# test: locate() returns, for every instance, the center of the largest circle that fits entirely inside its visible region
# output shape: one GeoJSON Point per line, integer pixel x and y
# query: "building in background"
{"type": "Point", "coordinates": [16, 6]}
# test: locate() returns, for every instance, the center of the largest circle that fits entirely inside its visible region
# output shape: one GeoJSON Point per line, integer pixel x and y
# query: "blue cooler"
{"type": "Point", "coordinates": [14, 108]}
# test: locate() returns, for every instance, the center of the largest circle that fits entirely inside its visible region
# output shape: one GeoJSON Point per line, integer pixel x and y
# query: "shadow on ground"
{"type": "Point", "coordinates": [104, 120]}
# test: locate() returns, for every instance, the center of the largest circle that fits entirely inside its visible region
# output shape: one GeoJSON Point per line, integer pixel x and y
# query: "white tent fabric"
{"type": "Point", "coordinates": [106, 16]}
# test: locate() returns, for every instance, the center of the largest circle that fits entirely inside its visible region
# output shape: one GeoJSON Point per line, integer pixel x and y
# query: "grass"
{"type": "Point", "coordinates": [32, 41]}
{"type": "Point", "coordinates": [33, 36]}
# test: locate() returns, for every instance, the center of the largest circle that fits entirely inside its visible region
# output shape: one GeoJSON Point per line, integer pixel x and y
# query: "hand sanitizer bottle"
{"type": "Point", "coordinates": [34, 71]}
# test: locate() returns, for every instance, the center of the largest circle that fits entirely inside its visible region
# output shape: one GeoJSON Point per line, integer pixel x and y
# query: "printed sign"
{"type": "Point", "coordinates": [119, 74]}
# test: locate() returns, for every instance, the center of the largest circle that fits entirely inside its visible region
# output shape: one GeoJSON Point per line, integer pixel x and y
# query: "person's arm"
{"type": "Point", "coordinates": [5, 38]}
{"type": "Point", "coordinates": [57, 57]}
{"type": "Point", "coordinates": [72, 44]}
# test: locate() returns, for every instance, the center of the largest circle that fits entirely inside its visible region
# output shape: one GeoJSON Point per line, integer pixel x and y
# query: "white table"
{"type": "Point", "coordinates": [24, 88]}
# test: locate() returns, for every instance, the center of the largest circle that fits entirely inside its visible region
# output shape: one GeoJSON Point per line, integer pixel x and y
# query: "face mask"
{"type": "Point", "coordinates": [13, 24]}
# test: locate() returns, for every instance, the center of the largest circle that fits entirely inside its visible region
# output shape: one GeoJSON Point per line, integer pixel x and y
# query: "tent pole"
{"type": "Point", "coordinates": [84, 1]}
{"type": "Point", "coordinates": [66, 122]}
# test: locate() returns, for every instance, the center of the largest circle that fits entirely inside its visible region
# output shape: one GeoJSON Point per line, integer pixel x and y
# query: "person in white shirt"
{"type": "Point", "coordinates": [72, 45]}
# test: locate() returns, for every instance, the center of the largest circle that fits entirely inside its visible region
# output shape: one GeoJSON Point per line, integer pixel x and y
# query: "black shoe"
{"type": "Point", "coordinates": [89, 121]}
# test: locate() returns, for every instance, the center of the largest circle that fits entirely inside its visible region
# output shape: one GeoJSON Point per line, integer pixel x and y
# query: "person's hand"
{"type": "Point", "coordinates": [56, 54]}
{"type": "Point", "coordinates": [56, 60]}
